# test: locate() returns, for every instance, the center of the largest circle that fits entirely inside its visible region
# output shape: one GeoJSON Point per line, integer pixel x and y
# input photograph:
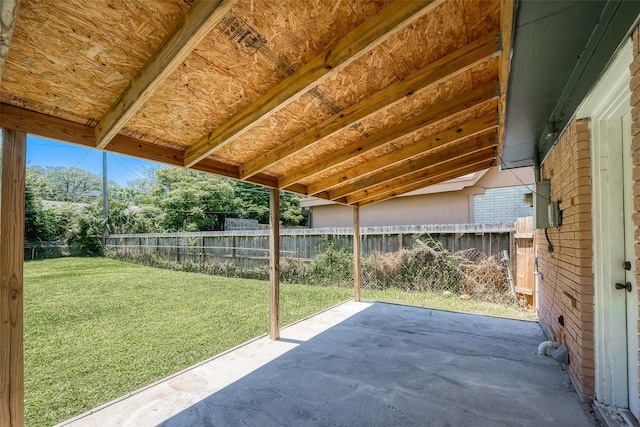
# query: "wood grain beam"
{"type": "Point", "coordinates": [356, 253]}
{"type": "Point", "coordinates": [436, 114]}
{"type": "Point", "coordinates": [504, 64]}
{"type": "Point", "coordinates": [200, 19]}
{"type": "Point", "coordinates": [31, 122]}
{"type": "Point", "coordinates": [448, 136]}
{"type": "Point", "coordinates": [374, 31]}
{"type": "Point", "coordinates": [445, 68]}
{"type": "Point", "coordinates": [480, 150]}
{"type": "Point", "coordinates": [274, 264]}
{"type": "Point", "coordinates": [452, 174]}
{"type": "Point", "coordinates": [8, 16]}
{"type": "Point", "coordinates": [11, 278]}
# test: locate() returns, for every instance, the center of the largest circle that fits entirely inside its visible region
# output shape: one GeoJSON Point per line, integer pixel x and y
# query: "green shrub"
{"type": "Point", "coordinates": [331, 267]}
{"type": "Point", "coordinates": [427, 266]}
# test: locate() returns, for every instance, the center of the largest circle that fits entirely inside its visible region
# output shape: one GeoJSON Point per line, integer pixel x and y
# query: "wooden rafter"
{"type": "Point", "coordinates": [480, 150]}
{"type": "Point", "coordinates": [358, 42]}
{"type": "Point", "coordinates": [46, 126]}
{"type": "Point", "coordinates": [8, 15]}
{"type": "Point", "coordinates": [448, 136]}
{"type": "Point", "coordinates": [506, 36]}
{"type": "Point", "coordinates": [199, 20]}
{"type": "Point", "coordinates": [436, 114]}
{"type": "Point", "coordinates": [445, 68]}
{"type": "Point", "coordinates": [407, 170]}
{"type": "Point", "coordinates": [430, 181]}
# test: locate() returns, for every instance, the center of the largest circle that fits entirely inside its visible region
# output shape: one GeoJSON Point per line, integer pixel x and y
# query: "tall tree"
{"type": "Point", "coordinates": [73, 184]}
{"type": "Point", "coordinates": [190, 200]}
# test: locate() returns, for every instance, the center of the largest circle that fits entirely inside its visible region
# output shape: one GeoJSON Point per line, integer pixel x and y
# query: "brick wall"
{"type": "Point", "coordinates": [565, 275]}
{"type": "Point", "coordinates": [501, 205]}
{"type": "Point", "coordinates": [635, 150]}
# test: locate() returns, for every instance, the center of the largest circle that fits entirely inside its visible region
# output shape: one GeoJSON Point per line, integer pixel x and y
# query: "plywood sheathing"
{"type": "Point", "coordinates": [196, 24]}
{"type": "Point", "coordinates": [8, 15]}
{"type": "Point", "coordinates": [259, 44]}
{"type": "Point", "coordinates": [352, 169]}
{"type": "Point", "coordinates": [73, 58]}
{"type": "Point", "coordinates": [406, 52]}
{"type": "Point", "coordinates": [417, 137]}
{"type": "Point", "coordinates": [409, 108]}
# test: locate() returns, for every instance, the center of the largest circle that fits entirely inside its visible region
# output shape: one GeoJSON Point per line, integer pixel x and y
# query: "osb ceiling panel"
{"type": "Point", "coordinates": [408, 108]}
{"type": "Point", "coordinates": [403, 54]}
{"type": "Point", "coordinates": [73, 59]}
{"type": "Point", "coordinates": [256, 45]}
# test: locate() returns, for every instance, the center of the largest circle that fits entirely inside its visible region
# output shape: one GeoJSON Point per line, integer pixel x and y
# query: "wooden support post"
{"type": "Point", "coordinates": [356, 253]}
{"type": "Point", "coordinates": [274, 264]}
{"type": "Point", "coordinates": [11, 278]}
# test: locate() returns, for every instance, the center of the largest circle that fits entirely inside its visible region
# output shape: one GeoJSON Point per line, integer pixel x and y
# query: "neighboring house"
{"type": "Point", "coordinates": [488, 196]}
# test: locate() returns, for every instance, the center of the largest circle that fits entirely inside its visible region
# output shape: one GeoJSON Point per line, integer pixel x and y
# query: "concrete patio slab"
{"type": "Point", "coordinates": [366, 364]}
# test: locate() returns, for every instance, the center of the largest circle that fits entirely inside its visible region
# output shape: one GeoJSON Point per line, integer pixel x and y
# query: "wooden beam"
{"type": "Point", "coordinates": [455, 63]}
{"type": "Point", "coordinates": [8, 16]}
{"type": "Point", "coordinates": [200, 19]}
{"type": "Point", "coordinates": [480, 150]}
{"type": "Point", "coordinates": [11, 278]}
{"type": "Point", "coordinates": [438, 113]}
{"type": "Point", "coordinates": [466, 153]}
{"type": "Point", "coordinates": [356, 253]}
{"type": "Point", "coordinates": [374, 31]}
{"type": "Point", "coordinates": [504, 64]}
{"type": "Point", "coordinates": [274, 264]}
{"type": "Point", "coordinates": [429, 181]}
{"type": "Point", "coordinates": [448, 136]}
{"type": "Point", "coordinates": [31, 122]}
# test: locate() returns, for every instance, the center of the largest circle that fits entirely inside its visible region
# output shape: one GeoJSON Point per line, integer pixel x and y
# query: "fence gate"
{"type": "Point", "coordinates": [525, 260]}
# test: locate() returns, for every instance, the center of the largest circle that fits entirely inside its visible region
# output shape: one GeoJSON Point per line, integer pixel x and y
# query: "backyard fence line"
{"type": "Point", "coordinates": [304, 244]}
{"type": "Point", "coordinates": [37, 250]}
{"type": "Point", "coordinates": [499, 227]}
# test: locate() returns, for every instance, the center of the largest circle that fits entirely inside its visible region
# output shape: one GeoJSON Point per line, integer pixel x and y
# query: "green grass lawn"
{"type": "Point", "coordinates": [96, 328]}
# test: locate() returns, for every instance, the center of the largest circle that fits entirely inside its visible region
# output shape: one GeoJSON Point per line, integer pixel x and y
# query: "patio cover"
{"type": "Point", "coordinates": [350, 101]}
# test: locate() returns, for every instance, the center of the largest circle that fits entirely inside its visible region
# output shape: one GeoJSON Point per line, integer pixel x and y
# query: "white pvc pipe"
{"type": "Point", "coordinates": [546, 345]}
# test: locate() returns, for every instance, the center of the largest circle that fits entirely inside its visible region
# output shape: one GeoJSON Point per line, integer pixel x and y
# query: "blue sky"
{"type": "Point", "coordinates": [47, 152]}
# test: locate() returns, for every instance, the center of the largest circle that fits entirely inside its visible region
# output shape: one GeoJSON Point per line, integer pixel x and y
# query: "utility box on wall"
{"type": "Point", "coordinates": [541, 201]}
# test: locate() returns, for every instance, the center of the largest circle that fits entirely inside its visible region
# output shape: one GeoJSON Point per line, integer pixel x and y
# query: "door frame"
{"type": "Point", "coordinates": [605, 106]}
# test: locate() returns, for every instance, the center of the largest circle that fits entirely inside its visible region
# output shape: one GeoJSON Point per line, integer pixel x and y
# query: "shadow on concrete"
{"type": "Point", "coordinates": [392, 365]}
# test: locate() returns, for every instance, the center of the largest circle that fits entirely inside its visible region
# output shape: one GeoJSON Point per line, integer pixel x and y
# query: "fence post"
{"type": "Point", "coordinates": [202, 253]}
{"type": "Point", "coordinates": [233, 248]}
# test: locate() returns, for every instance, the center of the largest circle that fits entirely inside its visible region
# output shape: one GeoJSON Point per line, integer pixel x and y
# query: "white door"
{"type": "Point", "coordinates": [608, 107]}
{"type": "Point", "coordinates": [631, 303]}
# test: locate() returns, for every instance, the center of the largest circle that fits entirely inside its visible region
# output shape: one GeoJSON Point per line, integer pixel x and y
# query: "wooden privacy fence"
{"type": "Point", "coordinates": [251, 247]}
{"type": "Point", "coordinates": [523, 259]}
